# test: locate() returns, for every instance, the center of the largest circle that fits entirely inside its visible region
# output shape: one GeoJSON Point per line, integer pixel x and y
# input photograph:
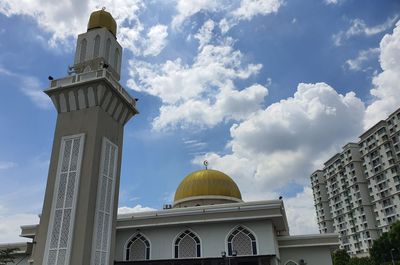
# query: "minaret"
{"type": "Point", "coordinates": [77, 224]}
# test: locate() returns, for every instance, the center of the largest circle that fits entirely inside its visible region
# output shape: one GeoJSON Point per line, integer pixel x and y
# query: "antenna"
{"type": "Point", "coordinates": [205, 163]}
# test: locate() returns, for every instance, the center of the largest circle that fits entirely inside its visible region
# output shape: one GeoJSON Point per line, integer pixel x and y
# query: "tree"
{"type": "Point", "coordinates": [340, 257]}
{"type": "Point", "coordinates": [6, 255]}
{"type": "Point", "coordinates": [361, 261]}
{"type": "Point", "coordinates": [387, 245]}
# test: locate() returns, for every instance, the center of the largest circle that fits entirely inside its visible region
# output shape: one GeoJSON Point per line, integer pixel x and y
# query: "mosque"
{"type": "Point", "coordinates": [208, 222]}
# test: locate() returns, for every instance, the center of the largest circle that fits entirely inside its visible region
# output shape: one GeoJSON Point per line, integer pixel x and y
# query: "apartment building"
{"type": "Point", "coordinates": [357, 193]}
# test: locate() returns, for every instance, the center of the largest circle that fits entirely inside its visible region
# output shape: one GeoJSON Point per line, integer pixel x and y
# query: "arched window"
{"type": "Point", "coordinates": [116, 59]}
{"type": "Point", "coordinates": [242, 241]}
{"type": "Point", "coordinates": [96, 50]}
{"type": "Point", "coordinates": [82, 55]}
{"type": "Point", "coordinates": [291, 262]}
{"type": "Point", "coordinates": [138, 248]}
{"type": "Point", "coordinates": [187, 245]}
{"type": "Point", "coordinates": [108, 46]}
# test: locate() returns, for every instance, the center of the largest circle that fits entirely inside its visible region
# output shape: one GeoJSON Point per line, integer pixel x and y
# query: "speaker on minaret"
{"type": "Point", "coordinates": [77, 224]}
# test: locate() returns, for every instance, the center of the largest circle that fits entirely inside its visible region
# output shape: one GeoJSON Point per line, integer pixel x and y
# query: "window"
{"type": "Point", "coordinates": [242, 241]}
{"type": "Point", "coordinates": [187, 245]}
{"type": "Point", "coordinates": [138, 248]}
{"type": "Point", "coordinates": [108, 46]}
{"type": "Point", "coordinates": [116, 59]}
{"type": "Point", "coordinates": [290, 262]}
{"type": "Point", "coordinates": [96, 47]}
{"type": "Point", "coordinates": [82, 55]}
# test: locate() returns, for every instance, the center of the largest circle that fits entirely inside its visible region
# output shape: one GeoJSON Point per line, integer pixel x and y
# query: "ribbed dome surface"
{"type": "Point", "coordinates": [102, 19]}
{"type": "Point", "coordinates": [207, 183]}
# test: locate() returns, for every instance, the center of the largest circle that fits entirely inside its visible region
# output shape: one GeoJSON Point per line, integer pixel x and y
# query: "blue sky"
{"type": "Point", "coordinates": [266, 91]}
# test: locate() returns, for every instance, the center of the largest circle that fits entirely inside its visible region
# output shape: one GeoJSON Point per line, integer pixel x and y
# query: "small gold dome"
{"type": "Point", "coordinates": [102, 19]}
{"type": "Point", "coordinates": [207, 183]}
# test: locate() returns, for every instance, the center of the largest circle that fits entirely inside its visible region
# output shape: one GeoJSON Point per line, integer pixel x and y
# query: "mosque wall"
{"type": "Point", "coordinates": [213, 237]}
{"type": "Point", "coordinates": [315, 255]}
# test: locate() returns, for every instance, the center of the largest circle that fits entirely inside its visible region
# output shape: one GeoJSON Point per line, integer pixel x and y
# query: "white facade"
{"type": "Point", "coordinates": [362, 185]}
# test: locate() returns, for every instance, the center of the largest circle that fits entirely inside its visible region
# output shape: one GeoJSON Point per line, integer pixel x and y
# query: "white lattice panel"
{"type": "Point", "coordinates": [63, 207]}
{"type": "Point", "coordinates": [242, 244]}
{"type": "Point", "coordinates": [104, 203]}
{"type": "Point", "coordinates": [187, 247]}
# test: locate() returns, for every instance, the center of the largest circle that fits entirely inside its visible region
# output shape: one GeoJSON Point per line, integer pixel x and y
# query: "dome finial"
{"type": "Point", "coordinates": [103, 8]}
{"type": "Point", "coordinates": [205, 163]}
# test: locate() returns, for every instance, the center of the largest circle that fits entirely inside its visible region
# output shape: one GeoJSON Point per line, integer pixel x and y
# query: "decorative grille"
{"type": "Point", "coordinates": [64, 202]}
{"type": "Point", "coordinates": [104, 203]}
{"type": "Point", "coordinates": [187, 245]}
{"type": "Point", "coordinates": [242, 241]}
{"type": "Point", "coordinates": [138, 248]}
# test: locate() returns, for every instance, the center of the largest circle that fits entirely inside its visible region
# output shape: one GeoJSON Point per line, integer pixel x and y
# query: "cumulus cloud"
{"type": "Point", "coordinates": [385, 92]}
{"type": "Point", "coordinates": [136, 209]}
{"type": "Point", "coordinates": [301, 213]}
{"type": "Point", "coordinates": [67, 19]}
{"type": "Point", "coordinates": [250, 8]}
{"type": "Point", "coordinates": [156, 40]}
{"type": "Point", "coordinates": [205, 33]}
{"type": "Point", "coordinates": [358, 63]}
{"type": "Point", "coordinates": [202, 93]}
{"type": "Point", "coordinates": [281, 145]}
{"type": "Point", "coordinates": [187, 8]}
{"type": "Point", "coordinates": [247, 10]}
{"type": "Point", "coordinates": [10, 226]}
{"type": "Point", "coordinates": [359, 27]}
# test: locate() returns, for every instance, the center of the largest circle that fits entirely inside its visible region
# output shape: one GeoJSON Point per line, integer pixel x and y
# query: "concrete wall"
{"type": "Point", "coordinates": [213, 238]}
{"type": "Point", "coordinates": [311, 255]}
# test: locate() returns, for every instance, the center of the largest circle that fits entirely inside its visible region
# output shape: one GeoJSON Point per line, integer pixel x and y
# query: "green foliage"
{"type": "Point", "coordinates": [6, 255]}
{"type": "Point", "coordinates": [340, 257]}
{"type": "Point", "coordinates": [361, 261]}
{"type": "Point", "coordinates": [387, 245]}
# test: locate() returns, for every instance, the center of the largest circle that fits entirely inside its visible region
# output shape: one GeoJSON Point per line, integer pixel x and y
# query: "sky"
{"type": "Point", "coordinates": [264, 90]}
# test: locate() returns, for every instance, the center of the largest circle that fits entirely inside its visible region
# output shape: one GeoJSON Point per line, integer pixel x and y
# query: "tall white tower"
{"type": "Point", "coordinates": [77, 225]}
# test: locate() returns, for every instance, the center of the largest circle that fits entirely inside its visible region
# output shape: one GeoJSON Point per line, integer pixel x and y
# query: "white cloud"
{"type": "Point", "coordinates": [187, 8]}
{"type": "Point", "coordinates": [250, 8]}
{"type": "Point", "coordinates": [7, 165]}
{"type": "Point", "coordinates": [247, 10]}
{"type": "Point", "coordinates": [67, 19]}
{"type": "Point", "coordinates": [205, 33]}
{"type": "Point", "coordinates": [301, 213]}
{"type": "Point", "coordinates": [358, 63]}
{"type": "Point", "coordinates": [359, 27]}
{"type": "Point", "coordinates": [282, 144]}
{"type": "Point", "coordinates": [10, 226]}
{"type": "Point", "coordinates": [386, 89]}
{"type": "Point", "coordinates": [156, 40]}
{"type": "Point", "coordinates": [136, 209]}
{"type": "Point", "coordinates": [333, 2]}
{"type": "Point", "coordinates": [202, 93]}
{"type": "Point", "coordinates": [31, 87]}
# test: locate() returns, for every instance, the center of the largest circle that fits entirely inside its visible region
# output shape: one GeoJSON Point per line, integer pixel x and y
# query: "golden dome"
{"type": "Point", "coordinates": [207, 183]}
{"type": "Point", "coordinates": [102, 19]}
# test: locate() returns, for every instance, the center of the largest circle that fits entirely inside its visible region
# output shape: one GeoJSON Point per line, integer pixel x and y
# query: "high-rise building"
{"type": "Point", "coordinates": [357, 194]}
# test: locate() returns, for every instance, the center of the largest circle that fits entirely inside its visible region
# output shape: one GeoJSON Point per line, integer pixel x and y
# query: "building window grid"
{"type": "Point", "coordinates": [242, 241]}
{"type": "Point", "coordinates": [187, 245]}
{"type": "Point", "coordinates": [138, 248]}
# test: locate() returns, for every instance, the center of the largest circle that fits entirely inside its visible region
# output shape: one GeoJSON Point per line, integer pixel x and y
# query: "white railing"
{"type": "Point", "coordinates": [87, 76]}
